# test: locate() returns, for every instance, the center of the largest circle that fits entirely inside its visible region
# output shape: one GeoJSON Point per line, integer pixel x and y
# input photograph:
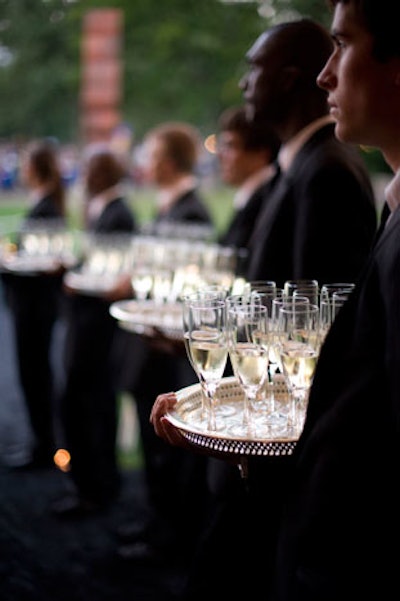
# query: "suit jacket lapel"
{"type": "Point", "coordinates": [273, 200]}
{"type": "Point", "coordinates": [385, 229]}
{"type": "Point", "coordinates": [283, 180]}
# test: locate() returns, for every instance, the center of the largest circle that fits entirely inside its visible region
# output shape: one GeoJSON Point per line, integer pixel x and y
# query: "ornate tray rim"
{"type": "Point", "coordinates": [221, 443]}
{"type": "Point", "coordinates": [130, 322]}
{"type": "Point", "coordinates": [75, 279]}
{"type": "Point", "coordinates": [26, 265]}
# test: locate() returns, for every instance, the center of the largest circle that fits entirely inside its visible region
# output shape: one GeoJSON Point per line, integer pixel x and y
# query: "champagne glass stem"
{"type": "Point", "coordinates": [267, 390]}
{"type": "Point", "coordinates": [249, 398]}
{"type": "Point", "coordinates": [297, 410]}
{"type": "Point", "coordinates": [205, 408]}
{"type": "Point", "coordinates": [246, 410]}
{"type": "Point", "coordinates": [211, 389]}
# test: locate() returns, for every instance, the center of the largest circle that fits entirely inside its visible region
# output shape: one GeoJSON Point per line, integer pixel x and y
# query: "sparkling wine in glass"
{"type": "Point", "coordinates": [142, 282]}
{"type": "Point", "coordinates": [205, 293]}
{"type": "Point", "coordinates": [247, 327]}
{"type": "Point", "coordinates": [298, 332]}
{"type": "Point", "coordinates": [208, 348]}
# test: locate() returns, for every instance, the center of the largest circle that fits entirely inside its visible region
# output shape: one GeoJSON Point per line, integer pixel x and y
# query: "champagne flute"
{"type": "Point", "coordinates": [279, 417]}
{"type": "Point", "coordinates": [206, 293]}
{"type": "Point", "coordinates": [298, 332]}
{"type": "Point", "coordinates": [247, 327]}
{"type": "Point", "coordinates": [326, 302]}
{"type": "Point", "coordinates": [142, 282]}
{"type": "Point", "coordinates": [260, 286]}
{"type": "Point", "coordinates": [162, 285]}
{"type": "Point", "coordinates": [266, 295]}
{"type": "Point", "coordinates": [327, 290]}
{"type": "Point", "coordinates": [331, 299]}
{"type": "Point", "coordinates": [208, 348]}
{"type": "Point", "coordinates": [241, 300]}
{"type": "Point", "coordinates": [302, 287]}
{"type": "Point", "coordinates": [338, 300]}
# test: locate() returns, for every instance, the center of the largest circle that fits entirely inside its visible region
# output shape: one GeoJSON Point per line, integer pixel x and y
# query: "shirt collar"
{"type": "Point", "coordinates": [251, 184]}
{"type": "Point", "coordinates": [37, 194]}
{"type": "Point", "coordinates": [392, 192]}
{"type": "Point", "coordinates": [98, 203]}
{"type": "Point", "coordinates": [167, 197]}
{"type": "Point", "coordinates": [288, 151]}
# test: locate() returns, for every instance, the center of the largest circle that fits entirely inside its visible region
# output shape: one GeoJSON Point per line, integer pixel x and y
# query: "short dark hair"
{"type": "Point", "coordinates": [255, 135]}
{"type": "Point", "coordinates": [181, 141]}
{"type": "Point", "coordinates": [381, 18]}
{"type": "Point", "coordinates": [104, 170]}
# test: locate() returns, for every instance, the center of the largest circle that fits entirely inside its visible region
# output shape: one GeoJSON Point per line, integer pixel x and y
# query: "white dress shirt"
{"type": "Point", "coordinates": [251, 184]}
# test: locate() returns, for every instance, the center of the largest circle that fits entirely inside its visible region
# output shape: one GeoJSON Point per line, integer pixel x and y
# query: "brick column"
{"type": "Point", "coordinates": [101, 79]}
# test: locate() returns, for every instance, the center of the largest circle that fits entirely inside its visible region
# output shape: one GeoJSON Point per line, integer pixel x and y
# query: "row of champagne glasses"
{"type": "Point", "coordinates": [256, 329]}
{"type": "Point", "coordinates": [215, 327]}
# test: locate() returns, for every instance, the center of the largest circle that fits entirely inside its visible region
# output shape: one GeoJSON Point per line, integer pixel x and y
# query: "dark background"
{"type": "Point", "coordinates": [43, 558]}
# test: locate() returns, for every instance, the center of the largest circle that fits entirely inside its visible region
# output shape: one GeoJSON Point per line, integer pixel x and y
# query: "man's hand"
{"type": "Point", "coordinates": [162, 426]}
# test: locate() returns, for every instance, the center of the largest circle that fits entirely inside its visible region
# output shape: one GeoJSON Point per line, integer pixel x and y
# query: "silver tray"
{"type": "Point", "coordinates": [30, 265]}
{"type": "Point", "coordinates": [90, 284]}
{"type": "Point", "coordinates": [143, 317]}
{"type": "Point", "coordinates": [185, 417]}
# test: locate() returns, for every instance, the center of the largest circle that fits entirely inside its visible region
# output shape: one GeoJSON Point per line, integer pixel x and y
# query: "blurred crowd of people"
{"type": "Point", "coordinates": [11, 155]}
{"type": "Point", "coordinates": [71, 156]}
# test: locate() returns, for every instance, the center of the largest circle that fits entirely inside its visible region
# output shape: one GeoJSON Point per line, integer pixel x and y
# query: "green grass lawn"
{"type": "Point", "coordinates": [13, 206]}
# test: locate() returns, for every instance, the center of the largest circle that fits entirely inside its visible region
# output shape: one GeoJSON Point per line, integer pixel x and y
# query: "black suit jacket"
{"type": "Point", "coordinates": [189, 207]}
{"type": "Point", "coordinates": [240, 229]}
{"type": "Point", "coordinates": [89, 415]}
{"type": "Point", "coordinates": [188, 210]}
{"type": "Point", "coordinates": [45, 208]}
{"type": "Point", "coordinates": [116, 217]}
{"type": "Point", "coordinates": [341, 531]}
{"type": "Point", "coordinates": [319, 222]}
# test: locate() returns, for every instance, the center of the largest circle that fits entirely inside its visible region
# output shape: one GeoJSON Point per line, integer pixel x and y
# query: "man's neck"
{"type": "Point", "coordinates": [289, 150]}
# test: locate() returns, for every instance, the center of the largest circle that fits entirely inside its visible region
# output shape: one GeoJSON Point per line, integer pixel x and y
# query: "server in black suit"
{"type": "Point", "coordinates": [321, 218]}
{"type": "Point", "coordinates": [330, 548]}
{"type": "Point", "coordinates": [35, 300]}
{"type": "Point", "coordinates": [246, 151]}
{"type": "Point", "coordinates": [89, 401]}
{"type": "Point", "coordinates": [296, 236]}
{"type": "Point", "coordinates": [171, 153]}
{"type": "Point", "coordinates": [174, 478]}
{"type": "Point", "coordinates": [246, 161]}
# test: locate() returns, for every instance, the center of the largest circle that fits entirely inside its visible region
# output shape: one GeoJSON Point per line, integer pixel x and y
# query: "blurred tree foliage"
{"type": "Point", "coordinates": [38, 70]}
{"type": "Point", "coordinates": [183, 59]}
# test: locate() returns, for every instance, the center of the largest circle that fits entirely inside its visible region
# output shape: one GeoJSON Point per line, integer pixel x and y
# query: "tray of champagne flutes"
{"type": "Point", "coordinates": [30, 265]}
{"type": "Point", "coordinates": [145, 316]}
{"type": "Point", "coordinates": [186, 416]}
{"type": "Point", "coordinates": [40, 249]}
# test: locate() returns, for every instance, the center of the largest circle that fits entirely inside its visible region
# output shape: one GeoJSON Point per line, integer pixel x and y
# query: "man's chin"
{"type": "Point", "coordinates": [341, 133]}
